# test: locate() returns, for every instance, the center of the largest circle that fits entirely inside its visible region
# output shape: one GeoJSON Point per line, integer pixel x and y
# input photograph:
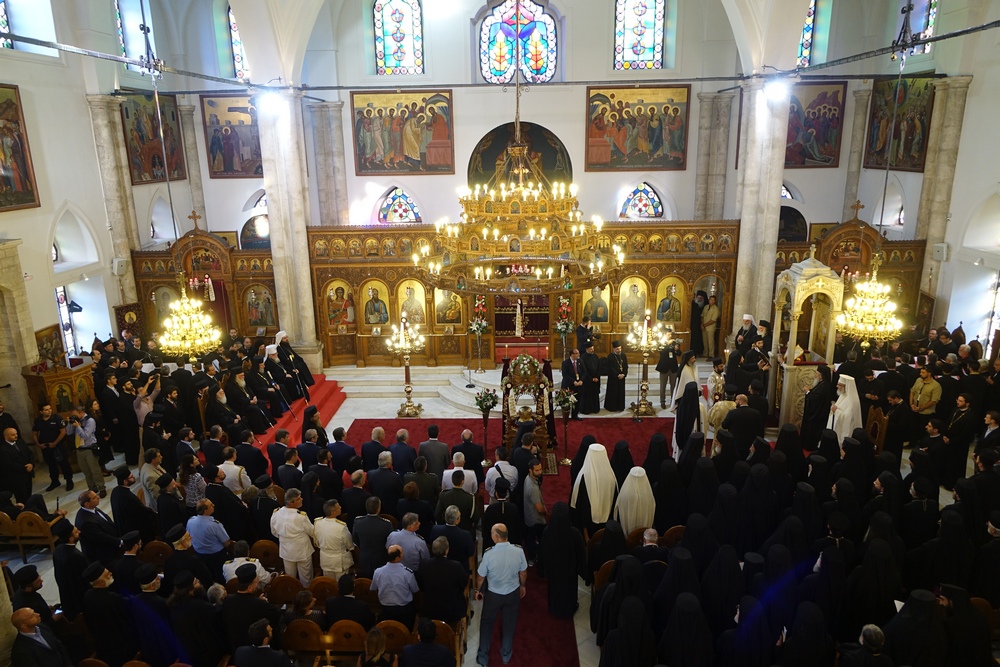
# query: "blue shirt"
{"type": "Point", "coordinates": [85, 431]}
{"type": "Point", "coordinates": [395, 585]}
{"type": "Point", "coordinates": [208, 536]}
{"type": "Point", "coordinates": [502, 565]}
{"type": "Point", "coordinates": [414, 548]}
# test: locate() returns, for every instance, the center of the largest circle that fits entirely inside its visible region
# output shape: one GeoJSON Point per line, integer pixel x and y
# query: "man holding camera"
{"type": "Point", "coordinates": [82, 426]}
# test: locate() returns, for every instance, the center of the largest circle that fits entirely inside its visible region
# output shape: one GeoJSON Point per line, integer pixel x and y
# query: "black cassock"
{"type": "Point", "coordinates": [287, 383]}
{"type": "Point", "coordinates": [131, 514]}
{"type": "Point", "coordinates": [231, 512]}
{"type": "Point", "coordinates": [294, 364]}
{"type": "Point", "coordinates": [816, 413]}
{"type": "Point", "coordinates": [69, 564]}
{"type": "Point", "coordinates": [221, 414]}
{"type": "Point", "coordinates": [172, 511]}
{"type": "Point", "coordinates": [110, 623]}
{"type": "Point", "coordinates": [614, 399]}
{"type": "Point", "coordinates": [239, 400]}
{"type": "Point", "coordinates": [260, 383]}
{"type": "Point", "coordinates": [590, 392]}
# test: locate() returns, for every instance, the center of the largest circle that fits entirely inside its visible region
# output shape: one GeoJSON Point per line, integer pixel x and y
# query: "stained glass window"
{"type": "Point", "coordinates": [120, 28]}
{"type": "Point", "coordinates": [129, 16]}
{"type": "Point", "coordinates": [643, 202]}
{"type": "Point", "coordinates": [808, 32]}
{"type": "Point", "coordinates": [399, 37]}
{"type": "Point", "coordinates": [4, 27]}
{"type": "Point", "coordinates": [923, 17]}
{"type": "Point", "coordinates": [240, 64]}
{"type": "Point", "coordinates": [639, 34]}
{"type": "Point", "coordinates": [396, 207]}
{"type": "Point", "coordinates": [518, 27]}
{"type": "Point", "coordinates": [785, 192]}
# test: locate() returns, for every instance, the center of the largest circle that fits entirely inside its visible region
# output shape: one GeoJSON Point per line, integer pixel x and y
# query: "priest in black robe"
{"type": "Point", "coordinates": [218, 412]}
{"type": "Point", "coordinates": [698, 304]}
{"type": "Point", "coordinates": [817, 407]}
{"type": "Point", "coordinates": [261, 509]}
{"type": "Point", "coordinates": [590, 394]}
{"type": "Point", "coordinates": [197, 623]}
{"type": "Point", "coordinates": [68, 564]}
{"type": "Point", "coordinates": [616, 368]}
{"type": "Point", "coordinates": [171, 509]}
{"type": "Point", "coordinates": [243, 402]}
{"type": "Point", "coordinates": [287, 385]}
{"type": "Point", "coordinates": [261, 383]}
{"type": "Point", "coordinates": [292, 362]}
{"type": "Point", "coordinates": [128, 511]}
{"type": "Point", "coordinates": [108, 618]}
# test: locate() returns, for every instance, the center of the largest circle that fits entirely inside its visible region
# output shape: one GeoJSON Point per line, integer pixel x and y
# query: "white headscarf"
{"type": "Point", "coordinates": [278, 336]}
{"type": "Point", "coordinates": [601, 483]}
{"type": "Point", "coordinates": [848, 414]}
{"type": "Point", "coordinates": [635, 507]}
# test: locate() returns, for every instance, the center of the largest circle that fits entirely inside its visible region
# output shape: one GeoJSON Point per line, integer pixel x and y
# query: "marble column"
{"type": "Point", "coordinates": [713, 152]}
{"type": "Point", "coordinates": [105, 114]}
{"type": "Point", "coordinates": [930, 162]}
{"type": "Point", "coordinates": [331, 163]}
{"type": "Point", "coordinates": [943, 177]}
{"type": "Point", "coordinates": [191, 158]}
{"type": "Point", "coordinates": [17, 332]}
{"type": "Point", "coordinates": [283, 154]}
{"type": "Point", "coordinates": [763, 166]}
{"type": "Point", "coordinates": [859, 127]}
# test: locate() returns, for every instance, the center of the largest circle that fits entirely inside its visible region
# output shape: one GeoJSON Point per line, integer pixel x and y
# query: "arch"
{"type": "Point", "coordinates": [399, 37]}
{"type": "Point", "coordinates": [555, 161]}
{"type": "Point", "coordinates": [642, 202]}
{"type": "Point", "coordinates": [256, 233]}
{"type": "Point", "coordinates": [161, 223]}
{"type": "Point", "coordinates": [257, 200]}
{"type": "Point", "coordinates": [73, 235]}
{"type": "Point", "coordinates": [539, 42]}
{"type": "Point", "coordinates": [396, 206]}
{"type": "Point", "coordinates": [763, 33]}
{"type": "Point", "coordinates": [792, 226]}
{"type": "Point", "coordinates": [814, 42]}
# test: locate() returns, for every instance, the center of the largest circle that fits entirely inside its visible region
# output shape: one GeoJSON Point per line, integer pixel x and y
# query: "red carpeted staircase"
{"type": "Point", "coordinates": [325, 394]}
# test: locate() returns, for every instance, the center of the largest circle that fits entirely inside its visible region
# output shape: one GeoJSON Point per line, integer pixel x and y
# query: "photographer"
{"type": "Point", "coordinates": [145, 398]}
{"type": "Point", "coordinates": [82, 427]}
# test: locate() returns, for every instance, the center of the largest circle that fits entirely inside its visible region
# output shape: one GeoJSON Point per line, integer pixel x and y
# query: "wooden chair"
{"type": "Point", "coordinates": [140, 493]}
{"type": "Point", "coordinates": [279, 494]}
{"type": "Point", "coordinates": [449, 639]}
{"type": "Point", "coordinates": [595, 540]}
{"type": "Point", "coordinates": [346, 638]}
{"type": "Point", "coordinates": [634, 539]}
{"type": "Point", "coordinates": [391, 519]}
{"type": "Point", "coordinates": [8, 531]}
{"type": "Point", "coordinates": [266, 552]}
{"type": "Point", "coordinates": [33, 530]}
{"type": "Point", "coordinates": [672, 537]}
{"type": "Point", "coordinates": [602, 576]}
{"type": "Point", "coordinates": [992, 616]}
{"type": "Point", "coordinates": [232, 586]}
{"type": "Point", "coordinates": [283, 589]}
{"type": "Point", "coordinates": [363, 592]}
{"type": "Point", "coordinates": [156, 553]}
{"type": "Point", "coordinates": [303, 637]}
{"type": "Point", "coordinates": [653, 572]}
{"type": "Point", "coordinates": [396, 634]}
{"type": "Point", "coordinates": [876, 426]}
{"type": "Point", "coordinates": [136, 663]}
{"type": "Point", "coordinates": [91, 662]}
{"type": "Point", "coordinates": [323, 588]}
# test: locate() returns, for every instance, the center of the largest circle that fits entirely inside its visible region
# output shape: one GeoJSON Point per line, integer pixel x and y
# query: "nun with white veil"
{"type": "Point", "coordinates": [635, 507]}
{"type": "Point", "coordinates": [845, 414]}
{"type": "Point", "coordinates": [688, 373]}
{"type": "Point", "coordinates": [594, 491]}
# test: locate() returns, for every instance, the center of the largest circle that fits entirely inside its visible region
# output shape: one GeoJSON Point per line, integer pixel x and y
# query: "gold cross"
{"type": "Point", "coordinates": [857, 206]}
{"type": "Point", "coordinates": [194, 217]}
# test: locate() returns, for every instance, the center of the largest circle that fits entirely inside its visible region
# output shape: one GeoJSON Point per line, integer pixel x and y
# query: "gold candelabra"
{"type": "Point", "coordinates": [405, 340]}
{"type": "Point", "coordinates": [646, 337]}
{"type": "Point", "coordinates": [188, 330]}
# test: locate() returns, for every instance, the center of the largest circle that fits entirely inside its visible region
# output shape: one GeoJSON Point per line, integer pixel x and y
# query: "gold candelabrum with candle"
{"type": "Point", "coordinates": [405, 340]}
{"type": "Point", "coordinates": [647, 337]}
{"type": "Point", "coordinates": [188, 331]}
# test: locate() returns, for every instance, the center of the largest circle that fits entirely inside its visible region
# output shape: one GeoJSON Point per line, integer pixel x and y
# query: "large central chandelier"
{"type": "Point", "coordinates": [519, 233]}
{"type": "Point", "coordinates": [188, 330]}
{"type": "Point", "coordinates": [870, 312]}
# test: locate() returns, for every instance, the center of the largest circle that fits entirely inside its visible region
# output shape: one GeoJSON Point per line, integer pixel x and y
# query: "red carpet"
{"type": "Point", "coordinates": [325, 394]}
{"type": "Point", "coordinates": [539, 638]}
{"type": "Point", "coordinates": [607, 430]}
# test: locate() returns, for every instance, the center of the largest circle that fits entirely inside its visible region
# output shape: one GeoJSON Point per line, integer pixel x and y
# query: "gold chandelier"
{"type": "Point", "coordinates": [870, 313]}
{"type": "Point", "coordinates": [188, 330]}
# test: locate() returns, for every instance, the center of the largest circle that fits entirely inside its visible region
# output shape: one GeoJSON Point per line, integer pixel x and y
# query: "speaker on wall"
{"type": "Point", "coordinates": [118, 266]}
{"type": "Point", "coordinates": [939, 252]}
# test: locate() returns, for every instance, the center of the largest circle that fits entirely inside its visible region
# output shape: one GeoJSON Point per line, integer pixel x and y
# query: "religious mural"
{"type": "Point", "coordinates": [815, 124]}
{"type": "Point", "coordinates": [595, 304]}
{"type": "Point", "coordinates": [411, 300]}
{"type": "Point", "coordinates": [671, 295]}
{"type": "Point", "coordinates": [376, 308]}
{"type": "Point", "coordinates": [260, 307]}
{"type": "Point", "coordinates": [50, 345]}
{"type": "Point", "coordinates": [632, 300]}
{"type": "Point", "coordinates": [403, 132]}
{"type": "Point", "coordinates": [232, 136]}
{"type": "Point", "coordinates": [18, 188]}
{"type": "Point", "coordinates": [545, 150]}
{"type": "Point", "coordinates": [447, 307]}
{"type": "Point", "coordinates": [906, 149]}
{"type": "Point", "coordinates": [256, 234]}
{"type": "Point", "coordinates": [340, 310]}
{"type": "Point", "coordinates": [142, 138]}
{"type": "Point", "coordinates": [162, 297]}
{"type": "Point", "coordinates": [637, 129]}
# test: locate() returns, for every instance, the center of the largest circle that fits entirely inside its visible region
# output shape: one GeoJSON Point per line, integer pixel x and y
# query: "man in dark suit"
{"type": "Point", "coordinates": [249, 456]}
{"type": "Point", "coordinates": [386, 483]}
{"type": "Point", "coordinates": [370, 533]}
{"type": "Point", "coordinates": [212, 447]}
{"type": "Point", "coordinates": [990, 438]}
{"type": "Point", "coordinates": [16, 465]}
{"type": "Point", "coordinates": [584, 334]}
{"type": "Point", "coordinates": [340, 451]}
{"type": "Point", "coordinates": [649, 550]}
{"type": "Point", "coordinates": [109, 398]}
{"type": "Point", "coordinates": [229, 509]}
{"type": "Point", "coordinates": [745, 424]}
{"type": "Point", "coordinates": [426, 651]}
{"type": "Point", "coordinates": [355, 499]}
{"type": "Point", "coordinates": [435, 451]}
{"type": "Point", "coordinates": [461, 545]}
{"type": "Point", "coordinates": [460, 498]}
{"type": "Point", "coordinates": [371, 449]}
{"type": "Point", "coordinates": [129, 512]}
{"type": "Point", "coordinates": [308, 449]}
{"type": "Point", "coordinates": [99, 538]}
{"type": "Point", "coordinates": [346, 607]}
{"type": "Point", "coordinates": [851, 367]}
{"type": "Point", "coordinates": [289, 475]}
{"type": "Point", "coordinates": [276, 452]}
{"type": "Point", "coordinates": [35, 644]}
{"type": "Point", "coordinates": [331, 482]}
{"type": "Point", "coordinates": [403, 455]}
{"type": "Point", "coordinates": [260, 654]}
{"type": "Point", "coordinates": [446, 579]}
{"type": "Point", "coordinates": [573, 376]}
{"type": "Point", "coordinates": [184, 444]}
{"type": "Point", "coordinates": [474, 455]}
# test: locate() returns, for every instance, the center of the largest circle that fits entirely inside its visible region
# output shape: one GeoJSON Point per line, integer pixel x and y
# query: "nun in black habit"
{"type": "Point", "coordinates": [670, 497]}
{"type": "Point", "coordinates": [611, 545]}
{"type": "Point", "coordinates": [689, 415]}
{"type": "Point", "coordinates": [626, 580]}
{"type": "Point", "coordinates": [725, 517]}
{"type": "Point", "coordinates": [563, 560]}
{"type": "Point", "coordinates": [687, 639]}
{"type": "Point", "coordinates": [790, 444]}
{"type": "Point", "coordinates": [631, 643]}
{"type": "Point", "coordinates": [681, 577]}
{"type": "Point", "coordinates": [694, 449]}
{"type": "Point", "coordinates": [704, 486]}
{"type": "Point", "coordinates": [808, 642]}
{"type": "Point", "coordinates": [750, 643]}
{"type": "Point", "coordinates": [872, 590]}
{"type": "Point", "coordinates": [621, 461]}
{"type": "Point", "coordinates": [967, 628]}
{"type": "Point", "coordinates": [699, 540]}
{"type": "Point", "coordinates": [722, 587]}
{"type": "Point", "coordinates": [657, 453]}
{"type": "Point", "coordinates": [916, 635]}
{"type": "Point", "coordinates": [725, 454]}
{"type": "Point", "coordinates": [579, 458]}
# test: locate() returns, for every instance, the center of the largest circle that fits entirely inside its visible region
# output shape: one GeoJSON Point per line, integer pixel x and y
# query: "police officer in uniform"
{"type": "Point", "coordinates": [49, 431]}
{"type": "Point", "coordinates": [209, 538]}
{"type": "Point", "coordinates": [500, 584]}
{"type": "Point", "coordinates": [395, 584]}
{"type": "Point", "coordinates": [295, 537]}
{"type": "Point", "coordinates": [333, 538]}
{"type": "Point", "coordinates": [241, 556]}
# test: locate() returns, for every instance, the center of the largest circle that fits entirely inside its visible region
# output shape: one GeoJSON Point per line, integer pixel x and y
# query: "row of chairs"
{"type": "Point", "coordinates": [303, 638]}
{"type": "Point", "coordinates": [28, 530]}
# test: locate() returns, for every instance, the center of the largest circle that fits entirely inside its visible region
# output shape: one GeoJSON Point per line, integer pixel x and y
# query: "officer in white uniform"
{"type": "Point", "coordinates": [241, 556]}
{"type": "Point", "coordinates": [334, 541]}
{"type": "Point", "coordinates": [295, 537]}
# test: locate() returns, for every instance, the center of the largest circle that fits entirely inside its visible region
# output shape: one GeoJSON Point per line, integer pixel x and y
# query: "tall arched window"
{"type": "Point", "coordinates": [643, 202]}
{"type": "Point", "coordinates": [4, 26]}
{"type": "Point", "coordinates": [399, 37]}
{"type": "Point", "coordinates": [806, 42]}
{"type": "Point", "coordinates": [240, 64]}
{"type": "Point", "coordinates": [396, 206]}
{"type": "Point", "coordinates": [518, 26]}
{"type": "Point", "coordinates": [31, 18]}
{"type": "Point", "coordinates": [129, 15]}
{"type": "Point", "coordinates": [815, 33]}
{"type": "Point", "coordinates": [639, 34]}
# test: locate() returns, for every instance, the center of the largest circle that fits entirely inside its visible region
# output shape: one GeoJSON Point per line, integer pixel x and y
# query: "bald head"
{"type": "Point", "coordinates": [25, 619]}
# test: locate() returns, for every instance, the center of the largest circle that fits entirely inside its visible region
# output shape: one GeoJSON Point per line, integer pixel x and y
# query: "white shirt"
{"type": "Point", "coordinates": [509, 473]}
{"type": "Point", "coordinates": [230, 566]}
{"type": "Point", "coordinates": [237, 480]}
{"type": "Point", "coordinates": [470, 483]}
{"type": "Point", "coordinates": [295, 533]}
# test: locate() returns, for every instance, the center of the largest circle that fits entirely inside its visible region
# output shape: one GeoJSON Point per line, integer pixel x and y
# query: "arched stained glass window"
{"type": "Point", "coordinates": [4, 27]}
{"type": "Point", "coordinates": [129, 15]}
{"type": "Point", "coordinates": [639, 34]}
{"type": "Point", "coordinates": [513, 27]}
{"type": "Point", "coordinates": [643, 202]}
{"type": "Point", "coordinates": [785, 192]}
{"type": "Point", "coordinates": [808, 32]}
{"type": "Point", "coordinates": [397, 206]}
{"type": "Point", "coordinates": [923, 17]}
{"type": "Point", "coordinates": [399, 37]}
{"type": "Point", "coordinates": [240, 64]}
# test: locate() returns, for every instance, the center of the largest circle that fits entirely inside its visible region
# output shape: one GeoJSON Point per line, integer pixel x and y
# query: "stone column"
{"type": "Point", "coordinates": [283, 155]}
{"type": "Point", "coordinates": [704, 152]}
{"type": "Point", "coordinates": [930, 163]}
{"type": "Point", "coordinates": [763, 166]}
{"type": "Point", "coordinates": [17, 335]}
{"type": "Point", "coordinates": [713, 152]}
{"type": "Point", "coordinates": [191, 158]}
{"type": "Point", "coordinates": [105, 114]}
{"type": "Point", "coordinates": [943, 177]}
{"type": "Point", "coordinates": [859, 126]}
{"type": "Point", "coordinates": [331, 163]}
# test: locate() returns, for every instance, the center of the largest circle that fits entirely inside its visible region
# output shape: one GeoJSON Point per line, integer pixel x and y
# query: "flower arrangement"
{"type": "Point", "coordinates": [565, 324]}
{"type": "Point", "coordinates": [479, 324]}
{"type": "Point", "coordinates": [486, 400]}
{"type": "Point", "coordinates": [565, 399]}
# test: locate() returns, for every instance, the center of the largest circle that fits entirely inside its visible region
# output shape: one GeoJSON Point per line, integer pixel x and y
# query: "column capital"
{"type": "Point", "coordinates": [334, 105]}
{"type": "Point", "coordinates": [957, 82]}
{"type": "Point", "coordinates": [185, 108]}
{"type": "Point", "coordinates": [942, 84]}
{"type": "Point", "coordinates": [104, 101]}
{"type": "Point", "coordinates": [863, 94]}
